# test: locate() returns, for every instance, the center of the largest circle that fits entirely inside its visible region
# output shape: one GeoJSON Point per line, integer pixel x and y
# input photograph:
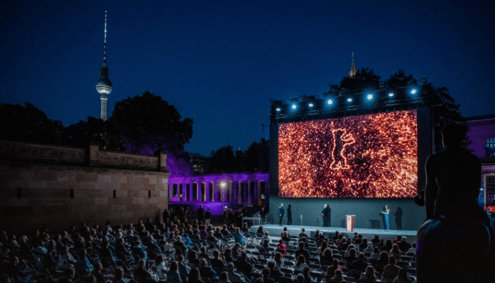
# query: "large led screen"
{"type": "Point", "coordinates": [369, 156]}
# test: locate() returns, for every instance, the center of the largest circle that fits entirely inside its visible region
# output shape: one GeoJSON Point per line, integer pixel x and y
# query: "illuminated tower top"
{"type": "Point", "coordinates": [104, 85]}
{"type": "Point", "coordinates": [352, 73]}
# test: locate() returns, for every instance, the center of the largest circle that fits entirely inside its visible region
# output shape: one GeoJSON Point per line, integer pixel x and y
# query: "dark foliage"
{"type": "Point", "coordinates": [146, 123]}
{"type": "Point", "coordinates": [28, 123]}
{"type": "Point", "coordinates": [254, 159]}
{"type": "Point", "coordinates": [84, 132]}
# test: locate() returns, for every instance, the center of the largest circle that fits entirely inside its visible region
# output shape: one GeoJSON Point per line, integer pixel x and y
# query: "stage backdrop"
{"type": "Point", "coordinates": [366, 206]}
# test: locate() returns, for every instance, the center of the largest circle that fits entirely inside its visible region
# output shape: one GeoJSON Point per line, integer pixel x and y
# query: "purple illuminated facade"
{"type": "Point", "coordinates": [482, 134]}
{"type": "Point", "coordinates": [218, 190]}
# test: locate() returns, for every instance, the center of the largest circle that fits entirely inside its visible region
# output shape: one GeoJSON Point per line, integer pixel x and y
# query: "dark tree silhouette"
{"type": "Point", "coordinates": [84, 132]}
{"type": "Point", "coordinates": [145, 124]}
{"type": "Point", "coordinates": [222, 160]}
{"type": "Point", "coordinates": [363, 80]}
{"type": "Point", "coordinates": [254, 159]}
{"type": "Point", "coordinates": [28, 123]}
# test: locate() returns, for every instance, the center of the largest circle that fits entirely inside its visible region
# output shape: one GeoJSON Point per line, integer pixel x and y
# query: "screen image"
{"type": "Point", "coordinates": [368, 156]}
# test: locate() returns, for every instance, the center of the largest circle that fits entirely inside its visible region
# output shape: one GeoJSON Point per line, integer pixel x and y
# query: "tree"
{"type": "Point", "coordinates": [254, 159]}
{"type": "Point", "coordinates": [84, 132]}
{"type": "Point", "coordinates": [28, 123]}
{"type": "Point", "coordinates": [145, 124]}
{"type": "Point", "coordinates": [363, 79]}
{"type": "Point", "coordinates": [445, 111]}
{"type": "Point", "coordinates": [222, 160]}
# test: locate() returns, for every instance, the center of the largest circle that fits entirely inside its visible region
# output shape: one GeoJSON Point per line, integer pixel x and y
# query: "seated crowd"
{"type": "Point", "coordinates": [179, 250]}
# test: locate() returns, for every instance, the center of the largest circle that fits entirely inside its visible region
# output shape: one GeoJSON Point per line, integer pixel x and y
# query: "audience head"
{"type": "Point", "coordinates": [370, 272]}
{"type": "Point", "coordinates": [453, 134]}
{"type": "Point", "coordinates": [119, 273]}
{"type": "Point", "coordinates": [194, 275]}
{"type": "Point", "coordinates": [224, 276]}
{"type": "Point", "coordinates": [391, 259]}
{"type": "Point", "coordinates": [174, 267]}
{"type": "Point", "coordinates": [266, 272]}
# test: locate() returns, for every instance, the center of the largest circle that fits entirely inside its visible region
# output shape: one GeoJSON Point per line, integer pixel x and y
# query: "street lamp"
{"type": "Point", "coordinates": [223, 185]}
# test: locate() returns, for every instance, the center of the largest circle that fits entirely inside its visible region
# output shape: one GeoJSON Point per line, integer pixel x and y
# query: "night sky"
{"type": "Point", "coordinates": [220, 62]}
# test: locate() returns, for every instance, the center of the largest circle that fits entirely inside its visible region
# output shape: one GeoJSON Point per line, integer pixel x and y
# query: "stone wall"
{"type": "Point", "coordinates": [48, 190]}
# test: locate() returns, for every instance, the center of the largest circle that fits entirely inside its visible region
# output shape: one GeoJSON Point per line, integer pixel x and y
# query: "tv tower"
{"type": "Point", "coordinates": [104, 85]}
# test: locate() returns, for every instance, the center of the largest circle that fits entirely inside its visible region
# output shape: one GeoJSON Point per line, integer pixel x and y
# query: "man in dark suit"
{"type": "Point", "coordinates": [281, 212]}
{"type": "Point", "coordinates": [201, 213]}
{"type": "Point", "coordinates": [325, 213]}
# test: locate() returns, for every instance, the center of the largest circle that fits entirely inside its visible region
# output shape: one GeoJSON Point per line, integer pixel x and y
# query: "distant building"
{"type": "Point", "coordinates": [199, 163]}
{"type": "Point", "coordinates": [482, 134]}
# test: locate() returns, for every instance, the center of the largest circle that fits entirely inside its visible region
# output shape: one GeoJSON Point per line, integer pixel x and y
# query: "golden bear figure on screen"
{"type": "Point", "coordinates": [341, 139]}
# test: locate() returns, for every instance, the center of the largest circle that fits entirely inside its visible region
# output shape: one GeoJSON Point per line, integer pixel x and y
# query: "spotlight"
{"type": "Point", "coordinates": [311, 105]}
{"type": "Point", "coordinates": [349, 99]}
{"type": "Point", "coordinates": [391, 94]}
{"type": "Point", "coordinates": [294, 106]}
{"type": "Point", "coordinates": [330, 102]}
{"type": "Point", "coordinates": [414, 91]}
{"type": "Point", "coordinates": [278, 109]}
{"type": "Point", "coordinates": [369, 96]}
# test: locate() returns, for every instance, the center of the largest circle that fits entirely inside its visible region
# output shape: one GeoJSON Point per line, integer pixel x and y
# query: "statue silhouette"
{"type": "Point", "coordinates": [445, 242]}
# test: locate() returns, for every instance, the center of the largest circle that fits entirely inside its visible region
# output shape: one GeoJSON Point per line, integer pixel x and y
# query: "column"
{"type": "Point", "coordinates": [207, 191]}
{"type": "Point", "coordinates": [191, 196]}
{"type": "Point", "coordinates": [231, 191]}
{"type": "Point", "coordinates": [267, 192]}
{"type": "Point", "coordinates": [215, 189]}
{"type": "Point", "coordinates": [256, 193]}
{"type": "Point", "coordinates": [249, 198]}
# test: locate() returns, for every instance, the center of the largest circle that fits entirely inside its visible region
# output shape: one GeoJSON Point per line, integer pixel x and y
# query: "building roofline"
{"type": "Point", "coordinates": [477, 118]}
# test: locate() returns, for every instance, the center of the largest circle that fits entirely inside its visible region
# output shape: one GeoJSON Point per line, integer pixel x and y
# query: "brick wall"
{"type": "Point", "coordinates": [35, 194]}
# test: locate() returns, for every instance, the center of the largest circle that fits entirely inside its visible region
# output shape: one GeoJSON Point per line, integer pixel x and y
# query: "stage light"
{"type": "Point", "coordinates": [294, 106]}
{"type": "Point", "coordinates": [369, 96]}
{"type": "Point", "coordinates": [330, 102]}
{"type": "Point", "coordinates": [311, 105]}
{"type": "Point", "coordinates": [278, 109]}
{"type": "Point", "coordinates": [414, 91]}
{"type": "Point", "coordinates": [391, 94]}
{"type": "Point", "coordinates": [349, 99]}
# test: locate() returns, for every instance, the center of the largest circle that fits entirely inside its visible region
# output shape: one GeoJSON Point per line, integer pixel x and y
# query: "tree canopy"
{"type": "Point", "coordinates": [254, 159]}
{"type": "Point", "coordinates": [145, 123]}
{"type": "Point", "coordinates": [28, 123]}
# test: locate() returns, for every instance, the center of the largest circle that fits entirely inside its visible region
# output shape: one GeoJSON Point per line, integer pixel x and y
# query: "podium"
{"type": "Point", "coordinates": [349, 223]}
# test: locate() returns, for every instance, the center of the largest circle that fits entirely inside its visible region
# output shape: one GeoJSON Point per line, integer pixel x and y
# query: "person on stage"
{"type": "Point", "coordinates": [201, 213]}
{"type": "Point", "coordinates": [289, 215]}
{"type": "Point", "coordinates": [325, 213]}
{"type": "Point", "coordinates": [281, 211]}
{"type": "Point", "coordinates": [387, 217]}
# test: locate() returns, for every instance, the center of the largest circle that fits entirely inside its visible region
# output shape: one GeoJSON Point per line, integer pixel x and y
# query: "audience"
{"type": "Point", "coordinates": [150, 252]}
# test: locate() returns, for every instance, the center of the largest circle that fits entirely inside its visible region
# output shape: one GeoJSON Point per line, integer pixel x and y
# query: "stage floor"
{"type": "Point", "coordinates": [294, 230]}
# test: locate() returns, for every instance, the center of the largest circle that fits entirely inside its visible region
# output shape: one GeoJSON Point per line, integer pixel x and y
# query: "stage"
{"type": "Point", "coordinates": [294, 230]}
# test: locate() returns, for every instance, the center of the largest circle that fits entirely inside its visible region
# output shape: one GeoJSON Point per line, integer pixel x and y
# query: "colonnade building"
{"type": "Point", "coordinates": [216, 191]}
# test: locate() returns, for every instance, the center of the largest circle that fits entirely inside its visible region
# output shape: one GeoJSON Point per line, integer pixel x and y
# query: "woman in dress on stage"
{"type": "Point", "coordinates": [387, 216]}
